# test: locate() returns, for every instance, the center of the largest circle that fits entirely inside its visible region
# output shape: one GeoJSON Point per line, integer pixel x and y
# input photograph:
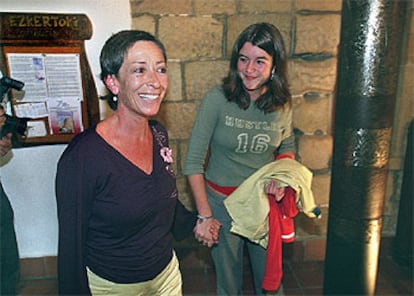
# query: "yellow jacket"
{"type": "Point", "coordinates": [248, 205]}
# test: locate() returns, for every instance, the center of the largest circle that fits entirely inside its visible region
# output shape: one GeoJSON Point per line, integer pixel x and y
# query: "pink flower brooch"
{"type": "Point", "coordinates": [166, 154]}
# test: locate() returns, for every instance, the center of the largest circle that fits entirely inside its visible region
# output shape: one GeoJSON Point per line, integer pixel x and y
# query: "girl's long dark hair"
{"type": "Point", "coordinates": [267, 37]}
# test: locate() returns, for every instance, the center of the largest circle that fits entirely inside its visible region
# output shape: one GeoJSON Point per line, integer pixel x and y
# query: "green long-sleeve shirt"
{"type": "Point", "coordinates": [240, 141]}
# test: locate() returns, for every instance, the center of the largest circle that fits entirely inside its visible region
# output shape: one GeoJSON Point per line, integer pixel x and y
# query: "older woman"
{"type": "Point", "coordinates": [116, 191]}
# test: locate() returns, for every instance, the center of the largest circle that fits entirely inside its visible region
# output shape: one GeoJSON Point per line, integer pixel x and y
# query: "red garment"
{"type": "Point", "coordinates": [281, 229]}
{"type": "Point", "coordinates": [288, 210]}
{"type": "Point", "coordinates": [226, 190]}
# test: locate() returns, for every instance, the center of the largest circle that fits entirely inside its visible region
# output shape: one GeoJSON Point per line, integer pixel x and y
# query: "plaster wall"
{"type": "Point", "coordinates": [27, 174]}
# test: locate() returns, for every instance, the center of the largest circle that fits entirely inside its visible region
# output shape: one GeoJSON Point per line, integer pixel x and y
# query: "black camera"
{"type": "Point", "coordinates": [12, 124]}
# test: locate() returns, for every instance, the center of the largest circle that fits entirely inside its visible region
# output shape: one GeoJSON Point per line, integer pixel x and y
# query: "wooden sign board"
{"type": "Point", "coordinates": [47, 53]}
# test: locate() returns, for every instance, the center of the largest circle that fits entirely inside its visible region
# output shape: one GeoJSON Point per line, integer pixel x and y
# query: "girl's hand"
{"type": "Point", "coordinates": [214, 230]}
{"type": "Point", "coordinates": [274, 189]}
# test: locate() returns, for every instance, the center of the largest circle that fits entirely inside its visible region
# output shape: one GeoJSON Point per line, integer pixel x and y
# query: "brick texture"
{"type": "Point", "coordinates": [317, 33]}
{"type": "Point", "coordinates": [191, 38]}
{"type": "Point", "coordinates": [214, 7]}
{"type": "Point", "coordinates": [161, 7]}
{"type": "Point", "coordinates": [332, 5]}
{"type": "Point", "coordinates": [201, 76]}
{"type": "Point", "coordinates": [249, 6]}
{"type": "Point", "coordinates": [199, 35]}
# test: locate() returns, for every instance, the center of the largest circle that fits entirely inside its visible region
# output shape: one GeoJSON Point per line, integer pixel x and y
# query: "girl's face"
{"type": "Point", "coordinates": [254, 67]}
{"type": "Point", "coordinates": [142, 81]}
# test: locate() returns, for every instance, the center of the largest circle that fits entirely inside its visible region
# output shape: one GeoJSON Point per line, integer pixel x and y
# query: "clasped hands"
{"type": "Point", "coordinates": [207, 231]}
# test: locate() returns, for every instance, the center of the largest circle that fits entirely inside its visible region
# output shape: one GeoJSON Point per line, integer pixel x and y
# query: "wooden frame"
{"type": "Point", "coordinates": [52, 36]}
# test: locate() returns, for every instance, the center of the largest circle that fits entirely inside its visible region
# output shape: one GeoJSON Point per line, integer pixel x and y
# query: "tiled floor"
{"type": "Point", "coordinates": [300, 278]}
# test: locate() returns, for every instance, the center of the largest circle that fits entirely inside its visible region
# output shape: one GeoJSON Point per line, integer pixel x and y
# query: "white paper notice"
{"type": "Point", "coordinates": [36, 129]}
{"type": "Point", "coordinates": [31, 110]}
{"type": "Point", "coordinates": [29, 69]}
{"type": "Point", "coordinates": [47, 75]}
{"type": "Point", "coordinates": [52, 91]}
{"type": "Point", "coordinates": [63, 76]}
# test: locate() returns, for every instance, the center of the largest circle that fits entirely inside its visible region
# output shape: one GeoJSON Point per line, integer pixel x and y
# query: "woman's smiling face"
{"type": "Point", "coordinates": [254, 66]}
{"type": "Point", "coordinates": [142, 80]}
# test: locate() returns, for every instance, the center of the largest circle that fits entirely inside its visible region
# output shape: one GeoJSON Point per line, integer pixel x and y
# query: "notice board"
{"type": "Point", "coordinates": [47, 53]}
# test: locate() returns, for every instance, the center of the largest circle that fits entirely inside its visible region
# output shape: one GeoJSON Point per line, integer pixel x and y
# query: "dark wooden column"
{"type": "Point", "coordinates": [368, 68]}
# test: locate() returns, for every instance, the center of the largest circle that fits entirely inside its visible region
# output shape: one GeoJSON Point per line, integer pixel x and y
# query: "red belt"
{"type": "Point", "coordinates": [224, 190]}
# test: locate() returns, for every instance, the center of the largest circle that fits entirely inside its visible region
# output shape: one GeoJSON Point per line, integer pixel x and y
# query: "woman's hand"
{"type": "Point", "coordinates": [5, 142]}
{"type": "Point", "coordinates": [206, 231]}
{"type": "Point", "coordinates": [275, 189]}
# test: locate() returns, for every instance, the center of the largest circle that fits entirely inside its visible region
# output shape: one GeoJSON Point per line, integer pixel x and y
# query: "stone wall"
{"type": "Point", "coordinates": [199, 34]}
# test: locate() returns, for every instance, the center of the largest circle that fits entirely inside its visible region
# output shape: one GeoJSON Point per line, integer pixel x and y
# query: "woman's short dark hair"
{"type": "Point", "coordinates": [267, 37]}
{"type": "Point", "coordinates": [114, 50]}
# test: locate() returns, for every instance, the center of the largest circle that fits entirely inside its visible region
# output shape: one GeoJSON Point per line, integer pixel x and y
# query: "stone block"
{"type": "Point", "coordinates": [315, 249]}
{"type": "Point", "coordinates": [293, 251]}
{"type": "Point", "coordinates": [305, 226]}
{"type": "Point", "coordinates": [317, 76]}
{"type": "Point", "coordinates": [319, 5]}
{"type": "Point", "coordinates": [321, 185]}
{"type": "Point", "coordinates": [214, 7]}
{"type": "Point", "coordinates": [160, 7]}
{"type": "Point", "coordinates": [237, 23]}
{"type": "Point", "coordinates": [183, 152]}
{"type": "Point", "coordinates": [255, 6]}
{"type": "Point", "coordinates": [317, 33]}
{"type": "Point", "coordinates": [187, 38]}
{"type": "Point", "coordinates": [313, 116]}
{"type": "Point", "coordinates": [315, 151]}
{"type": "Point", "coordinates": [184, 193]}
{"type": "Point", "coordinates": [410, 45]}
{"type": "Point", "coordinates": [175, 82]}
{"type": "Point", "coordinates": [178, 118]}
{"type": "Point", "coordinates": [203, 75]}
{"type": "Point", "coordinates": [144, 23]}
